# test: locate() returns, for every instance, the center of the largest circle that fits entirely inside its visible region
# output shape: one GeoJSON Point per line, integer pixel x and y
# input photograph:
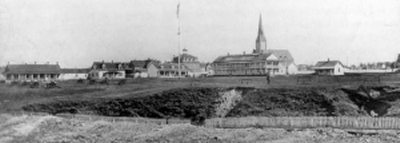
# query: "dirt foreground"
{"type": "Point", "coordinates": [46, 129]}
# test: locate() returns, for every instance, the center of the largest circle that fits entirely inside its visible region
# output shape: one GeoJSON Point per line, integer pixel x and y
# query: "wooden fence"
{"type": "Point", "coordinates": [257, 122]}
{"type": "Point", "coordinates": [306, 122]}
{"type": "Point", "coordinates": [110, 119]}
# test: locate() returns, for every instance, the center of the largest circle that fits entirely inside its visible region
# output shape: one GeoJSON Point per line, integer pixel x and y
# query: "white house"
{"type": "Point", "coordinates": [167, 70]}
{"type": "Point", "coordinates": [291, 69]}
{"type": "Point", "coordinates": [329, 68]}
{"type": "Point", "coordinates": [140, 68]}
{"type": "Point", "coordinates": [70, 74]}
{"type": "Point", "coordinates": [2, 78]}
{"type": "Point", "coordinates": [195, 68]}
{"type": "Point", "coordinates": [109, 70]}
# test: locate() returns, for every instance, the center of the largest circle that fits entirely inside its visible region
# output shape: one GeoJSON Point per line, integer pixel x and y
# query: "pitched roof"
{"type": "Point", "coordinates": [327, 64]}
{"type": "Point", "coordinates": [32, 69]}
{"type": "Point", "coordinates": [183, 57]}
{"type": "Point", "coordinates": [140, 63]}
{"type": "Point", "coordinates": [170, 67]}
{"type": "Point", "coordinates": [242, 58]}
{"type": "Point", "coordinates": [75, 70]}
{"type": "Point", "coordinates": [282, 55]}
{"type": "Point", "coordinates": [110, 65]}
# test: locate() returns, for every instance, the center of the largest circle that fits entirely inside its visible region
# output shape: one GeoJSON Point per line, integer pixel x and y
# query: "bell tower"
{"type": "Point", "coordinates": [261, 41]}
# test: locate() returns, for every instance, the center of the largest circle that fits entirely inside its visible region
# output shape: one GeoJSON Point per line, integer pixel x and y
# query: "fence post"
{"type": "Point", "coordinates": [220, 122]}
{"type": "Point", "coordinates": [379, 78]}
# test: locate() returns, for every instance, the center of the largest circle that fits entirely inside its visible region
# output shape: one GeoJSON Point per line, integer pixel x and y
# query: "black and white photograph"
{"type": "Point", "coordinates": [199, 71]}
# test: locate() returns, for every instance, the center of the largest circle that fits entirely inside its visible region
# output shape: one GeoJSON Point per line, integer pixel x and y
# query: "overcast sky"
{"type": "Point", "coordinates": [77, 32]}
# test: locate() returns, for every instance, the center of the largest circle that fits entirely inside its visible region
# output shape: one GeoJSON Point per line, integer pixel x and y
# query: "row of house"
{"type": "Point", "coordinates": [227, 65]}
{"type": "Point", "coordinates": [189, 67]}
{"type": "Point", "coordinates": [260, 61]}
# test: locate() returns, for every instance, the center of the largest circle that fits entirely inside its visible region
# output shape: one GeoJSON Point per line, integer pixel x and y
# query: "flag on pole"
{"type": "Point", "coordinates": [177, 11]}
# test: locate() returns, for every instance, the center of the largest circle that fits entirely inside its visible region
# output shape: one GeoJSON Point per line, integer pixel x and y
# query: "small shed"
{"type": "Point", "coordinates": [329, 68]}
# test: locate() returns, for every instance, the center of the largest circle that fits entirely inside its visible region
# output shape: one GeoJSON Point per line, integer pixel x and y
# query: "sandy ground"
{"type": "Point", "coordinates": [50, 129]}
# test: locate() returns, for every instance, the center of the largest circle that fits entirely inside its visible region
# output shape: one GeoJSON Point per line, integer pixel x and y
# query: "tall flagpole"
{"type": "Point", "coordinates": [179, 46]}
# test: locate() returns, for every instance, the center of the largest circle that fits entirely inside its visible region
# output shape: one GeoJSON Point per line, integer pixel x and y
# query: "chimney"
{"type": "Point", "coordinates": [328, 59]}
{"type": "Point", "coordinates": [228, 54]}
{"type": "Point", "coordinates": [184, 51]}
{"type": "Point", "coordinates": [102, 61]}
{"type": "Point", "coordinates": [244, 52]}
{"type": "Point", "coordinates": [56, 63]}
{"type": "Point", "coordinates": [47, 62]}
{"type": "Point", "coordinates": [35, 62]}
{"type": "Point", "coordinates": [8, 62]}
{"type": "Point", "coordinates": [112, 61]}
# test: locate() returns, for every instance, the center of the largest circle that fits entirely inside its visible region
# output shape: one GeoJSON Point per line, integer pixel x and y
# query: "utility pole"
{"type": "Point", "coordinates": [179, 46]}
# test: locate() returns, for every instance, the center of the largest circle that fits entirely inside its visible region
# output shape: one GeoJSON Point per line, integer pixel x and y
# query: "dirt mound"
{"type": "Point", "coordinates": [178, 103]}
{"type": "Point", "coordinates": [201, 103]}
{"type": "Point", "coordinates": [375, 100]}
{"type": "Point", "coordinates": [284, 102]}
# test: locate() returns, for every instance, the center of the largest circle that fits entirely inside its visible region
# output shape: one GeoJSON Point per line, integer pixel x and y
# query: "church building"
{"type": "Point", "coordinates": [260, 62]}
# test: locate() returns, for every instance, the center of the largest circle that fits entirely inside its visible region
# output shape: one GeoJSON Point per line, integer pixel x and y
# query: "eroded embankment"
{"type": "Point", "coordinates": [176, 103]}
{"type": "Point", "coordinates": [201, 103]}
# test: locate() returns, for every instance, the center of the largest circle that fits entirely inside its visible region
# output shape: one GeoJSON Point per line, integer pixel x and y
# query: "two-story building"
{"type": "Point", "coordinates": [167, 70]}
{"type": "Point", "coordinates": [109, 70]}
{"type": "Point", "coordinates": [140, 68]}
{"type": "Point", "coordinates": [259, 62]}
{"type": "Point", "coordinates": [195, 68]}
{"type": "Point", "coordinates": [246, 64]}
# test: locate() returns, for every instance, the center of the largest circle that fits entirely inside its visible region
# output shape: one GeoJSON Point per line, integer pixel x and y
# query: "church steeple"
{"type": "Point", "coordinates": [261, 41]}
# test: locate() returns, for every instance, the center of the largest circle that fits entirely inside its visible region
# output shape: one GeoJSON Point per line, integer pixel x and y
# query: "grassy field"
{"type": "Point", "coordinates": [13, 97]}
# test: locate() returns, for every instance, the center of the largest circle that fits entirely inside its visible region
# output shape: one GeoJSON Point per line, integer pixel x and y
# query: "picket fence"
{"type": "Point", "coordinates": [257, 122]}
{"type": "Point", "coordinates": [306, 122]}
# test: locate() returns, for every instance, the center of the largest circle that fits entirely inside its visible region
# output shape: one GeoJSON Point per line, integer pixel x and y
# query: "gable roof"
{"type": "Point", "coordinates": [242, 58]}
{"type": "Point", "coordinates": [32, 69]}
{"type": "Point", "coordinates": [75, 70]}
{"type": "Point", "coordinates": [282, 55]}
{"type": "Point", "coordinates": [110, 65]}
{"type": "Point", "coordinates": [327, 64]}
{"type": "Point", "coordinates": [140, 63]}
{"type": "Point", "coordinates": [183, 57]}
